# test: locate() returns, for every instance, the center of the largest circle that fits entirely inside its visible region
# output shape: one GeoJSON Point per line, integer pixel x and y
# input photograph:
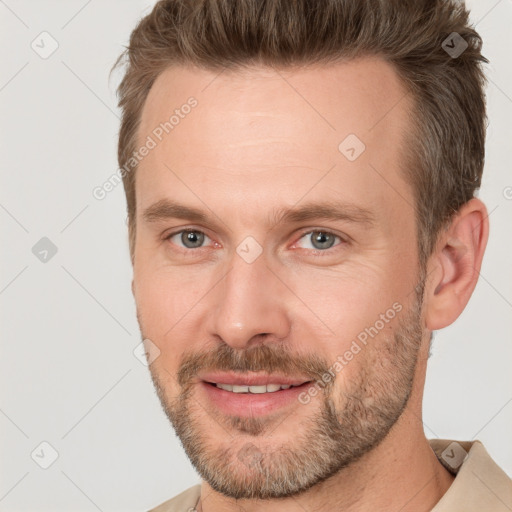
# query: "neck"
{"type": "Point", "coordinates": [402, 473]}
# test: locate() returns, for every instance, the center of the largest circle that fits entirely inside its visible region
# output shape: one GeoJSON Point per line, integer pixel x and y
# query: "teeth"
{"type": "Point", "coordinates": [253, 389]}
{"type": "Point", "coordinates": [269, 388]}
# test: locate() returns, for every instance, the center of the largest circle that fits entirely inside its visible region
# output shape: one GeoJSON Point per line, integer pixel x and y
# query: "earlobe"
{"type": "Point", "coordinates": [455, 265]}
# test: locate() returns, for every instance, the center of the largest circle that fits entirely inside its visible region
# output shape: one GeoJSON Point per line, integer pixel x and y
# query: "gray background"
{"type": "Point", "coordinates": [68, 374]}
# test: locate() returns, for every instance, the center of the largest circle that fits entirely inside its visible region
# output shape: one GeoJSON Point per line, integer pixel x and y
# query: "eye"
{"type": "Point", "coordinates": [320, 240]}
{"type": "Point", "coordinates": [188, 238]}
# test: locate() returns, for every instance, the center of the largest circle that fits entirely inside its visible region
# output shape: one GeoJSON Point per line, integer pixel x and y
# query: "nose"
{"type": "Point", "coordinates": [251, 304]}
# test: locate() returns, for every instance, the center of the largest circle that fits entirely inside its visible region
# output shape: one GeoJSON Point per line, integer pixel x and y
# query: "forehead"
{"type": "Point", "coordinates": [261, 131]}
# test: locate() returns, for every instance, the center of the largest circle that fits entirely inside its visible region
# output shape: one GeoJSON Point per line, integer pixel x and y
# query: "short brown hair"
{"type": "Point", "coordinates": [444, 154]}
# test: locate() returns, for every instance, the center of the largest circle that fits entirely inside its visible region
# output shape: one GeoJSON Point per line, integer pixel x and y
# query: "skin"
{"type": "Point", "coordinates": [263, 139]}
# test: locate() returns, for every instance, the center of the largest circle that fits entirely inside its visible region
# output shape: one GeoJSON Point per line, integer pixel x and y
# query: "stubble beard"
{"type": "Point", "coordinates": [247, 463]}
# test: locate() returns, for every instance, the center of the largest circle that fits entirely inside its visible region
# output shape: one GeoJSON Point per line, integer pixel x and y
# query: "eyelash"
{"type": "Point", "coordinates": [314, 252]}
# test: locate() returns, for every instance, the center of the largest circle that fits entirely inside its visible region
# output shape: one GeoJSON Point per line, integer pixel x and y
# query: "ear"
{"type": "Point", "coordinates": [454, 267]}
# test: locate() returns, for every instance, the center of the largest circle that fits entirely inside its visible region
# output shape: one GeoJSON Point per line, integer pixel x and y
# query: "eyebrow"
{"type": "Point", "coordinates": [166, 209]}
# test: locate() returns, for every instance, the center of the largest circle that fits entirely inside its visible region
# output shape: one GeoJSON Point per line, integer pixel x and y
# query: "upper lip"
{"type": "Point", "coordinates": [246, 379]}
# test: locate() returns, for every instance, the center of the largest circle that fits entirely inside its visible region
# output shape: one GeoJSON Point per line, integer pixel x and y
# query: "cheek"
{"type": "Point", "coordinates": [170, 308]}
{"type": "Point", "coordinates": [164, 295]}
{"type": "Point", "coordinates": [348, 311]}
{"type": "Point", "coordinates": [157, 312]}
{"type": "Point", "coordinates": [160, 302]}
{"type": "Point", "coordinates": [345, 299]}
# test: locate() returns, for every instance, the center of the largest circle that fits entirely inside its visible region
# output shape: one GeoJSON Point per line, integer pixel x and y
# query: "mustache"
{"type": "Point", "coordinates": [259, 358]}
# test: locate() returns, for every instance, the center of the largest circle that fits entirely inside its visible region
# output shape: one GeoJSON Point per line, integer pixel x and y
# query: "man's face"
{"type": "Point", "coordinates": [246, 295]}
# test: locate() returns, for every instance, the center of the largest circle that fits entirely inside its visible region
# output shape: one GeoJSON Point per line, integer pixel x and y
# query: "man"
{"type": "Point", "coordinates": [300, 179]}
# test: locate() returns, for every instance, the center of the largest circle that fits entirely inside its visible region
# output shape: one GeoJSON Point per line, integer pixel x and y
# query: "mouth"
{"type": "Point", "coordinates": [257, 390]}
{"type": "Point", "coordinates": [252, 395]}
{"type": "Point", "coordinates": [252, 380]}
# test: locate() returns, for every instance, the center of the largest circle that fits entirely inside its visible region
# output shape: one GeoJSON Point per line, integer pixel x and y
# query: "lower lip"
{"type": "Point", "coordinates": [252, 404]}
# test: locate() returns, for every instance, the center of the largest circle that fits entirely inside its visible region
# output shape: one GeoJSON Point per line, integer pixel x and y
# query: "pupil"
{"type": "Point", "coordinates": [192, 239]}
{"type": "Point", "coordinates": [324, 240]}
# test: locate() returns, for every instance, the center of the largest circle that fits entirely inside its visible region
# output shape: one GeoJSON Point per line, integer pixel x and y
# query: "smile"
{"type": "Point", "coordinates": [268, 388]}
